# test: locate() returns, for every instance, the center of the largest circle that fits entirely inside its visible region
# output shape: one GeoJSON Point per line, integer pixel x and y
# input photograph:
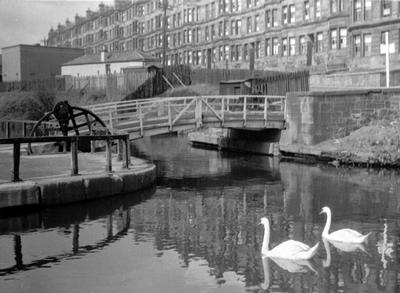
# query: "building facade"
{"type": "Point", "coordinates": [30, 62]}
{"type": "Point", "coordinates": [108, 63]}
{"type": "Point", "coordinates": [228, 33]}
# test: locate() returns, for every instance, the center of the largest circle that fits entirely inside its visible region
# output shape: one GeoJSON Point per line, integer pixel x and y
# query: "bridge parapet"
{"type": "Point", "coordinates": [162, 115]}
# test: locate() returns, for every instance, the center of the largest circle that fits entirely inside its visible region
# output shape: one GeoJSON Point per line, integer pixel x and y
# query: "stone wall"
{"type": "Point", "coordinates": [313, 117]}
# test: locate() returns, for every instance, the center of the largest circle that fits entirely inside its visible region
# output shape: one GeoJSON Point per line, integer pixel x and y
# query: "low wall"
{"type": "Point", "coordinates": [313, 117]}
{"type": "Point", "coordinates": [354, 79]}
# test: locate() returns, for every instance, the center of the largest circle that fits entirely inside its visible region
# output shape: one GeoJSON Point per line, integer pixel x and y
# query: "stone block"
{"type": "Point", "coordinates": [17, 194]}
{"type": "Point", "coordinates": [55, 191]}
{"type": "Point", "coordinates": [133, 181]}
{"type": "Point", "coordinates": [102, 185]}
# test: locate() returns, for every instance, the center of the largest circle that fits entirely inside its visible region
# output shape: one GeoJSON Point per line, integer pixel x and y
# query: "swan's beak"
{"type": "Point", "coordinates": [321, 212]}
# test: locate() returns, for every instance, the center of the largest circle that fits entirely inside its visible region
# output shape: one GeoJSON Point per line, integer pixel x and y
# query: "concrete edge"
{"type": "Point", "coordinates": [69, 189]}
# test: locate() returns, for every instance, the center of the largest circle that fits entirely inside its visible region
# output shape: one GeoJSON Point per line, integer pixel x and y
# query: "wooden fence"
{"type": "Point", "coordinates": [214, 76]}
{"type": "Point", "coordinates": [173, 75]}
{"type": "Point", "coordinates": [55, 84]}
{"type": "Point", "coordinates": [115, 86]}
{"type": "Point", "coordinates": [281, 83]}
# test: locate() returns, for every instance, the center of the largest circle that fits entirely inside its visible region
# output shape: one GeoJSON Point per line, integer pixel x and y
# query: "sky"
{"type": "Point", "coordinates": [29, 21]}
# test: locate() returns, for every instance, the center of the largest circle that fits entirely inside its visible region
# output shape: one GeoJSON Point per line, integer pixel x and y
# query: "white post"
{"type": "Point", "coordinates": [387, 60]}
{"type": "Point", "coordinates": [222, 110]}
{"type": "Point", "coordinates": [169, 115]}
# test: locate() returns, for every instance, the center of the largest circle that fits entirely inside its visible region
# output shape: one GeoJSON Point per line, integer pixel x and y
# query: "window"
{"type": "Point", "coordinates": [284, 47]}
{"type": "Point", "coordinates": [267, 47]}
{"type": "Point", "coordinates": [235, 26]}
{"type": "Point", "coordinates": [212, 32]}
{"type": "Point", "coordinates": [267, 18]}
{"type": "Point", "coordinates": [221, 53]}
{"type": "Point", "coordinates": [257, 50]}
{"type": "Point", "coordinates": [274, 17]}
{"type": "Point", "coordinates": [248, 3]}
{"type": "Point", "coordinates": [333, 44]}
{"type": "Point", "coordinates": [343, 38]}
{"type": "Point", "coordinates": [275, 46]}
{"type": "Point", "coordinates": [317, 8]}
{"type": "Point", "coordinates": [383, 37]}
{"type": "Point", "coordinates": [386, 7]}
{"type": "Point", "coordinates": [245, 52]}
{"type": "Point", "coordinates": [367, 45]}
{"type": "Point", "coordinates": [368, 9]}
{"type": "Point", "coordinates": [357, 10]}
{"type": "Point", "coordinates": [319, 46]}
{"type": "Point", "coordinates": [190, 15]}
{"type": "Point", "coordinates": [292, 46]}
{"type": "Point", "coordinates": [333, 6]}
{"type": "Point", "coordinates": [248, 25]}
{"type": "Point", "coordinates": [221, 6]}
{"type": "Point", "coordinates": [257, 23]}
{"type": "Point", "coordinates": [213, 10]}
{"type": "Point", "coordinates": [292, 14]}
{"type": "Point", "coordinates": [357, 46]}
{"type": "Point", "coordinates": [236, 5]}
{"type": "Point", "coordinates": [306, 10]}
{"type": "Point", "coordinates": [284, 15]}
{"type": "Point", "coordinates": [303, 45]}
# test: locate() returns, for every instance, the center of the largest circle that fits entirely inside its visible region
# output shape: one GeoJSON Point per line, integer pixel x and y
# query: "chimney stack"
{"type": "Point", "coordinates": [88, 13]}
{"type": "Point", "coordinates": [101, 7]}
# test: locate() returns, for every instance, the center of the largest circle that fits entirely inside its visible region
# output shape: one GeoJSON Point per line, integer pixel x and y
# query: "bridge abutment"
{"type": "Point", "coordinates": [263, 141]}
{"type": "Point", "coordinates": [313, 117]}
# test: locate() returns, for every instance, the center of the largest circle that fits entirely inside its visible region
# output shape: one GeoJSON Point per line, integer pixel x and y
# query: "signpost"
{"type": "Point", "coordinates": [387, 49]}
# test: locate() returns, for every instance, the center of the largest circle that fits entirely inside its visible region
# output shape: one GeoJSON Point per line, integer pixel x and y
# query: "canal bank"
{"type": "Point", "coordinates": [354, 127]}
{"type": "Point", "coordinates": [47, 180]}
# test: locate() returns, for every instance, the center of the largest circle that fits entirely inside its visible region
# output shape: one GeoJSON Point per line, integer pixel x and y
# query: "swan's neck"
{"type": "Point", "coordinates": [327, 262]}
{"type": "Point", "coordinates": [265, 243]}
{"type": "Point", "coordinates": [325, 232]}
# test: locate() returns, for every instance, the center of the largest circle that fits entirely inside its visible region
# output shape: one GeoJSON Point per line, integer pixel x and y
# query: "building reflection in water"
{"type": "Point", "coordinates": [217, 222]}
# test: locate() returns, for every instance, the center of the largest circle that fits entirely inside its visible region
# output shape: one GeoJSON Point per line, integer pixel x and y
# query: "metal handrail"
{"type": "Point", "coordinates": [123, 140]}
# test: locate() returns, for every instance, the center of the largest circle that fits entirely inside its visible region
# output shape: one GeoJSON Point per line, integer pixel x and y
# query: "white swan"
{"type": "Point", "coordinates": [290, 249]}
{"type": "Point", "coordinates": [295, 266]}
{"type": "Point", "coordinates": [343, 235]}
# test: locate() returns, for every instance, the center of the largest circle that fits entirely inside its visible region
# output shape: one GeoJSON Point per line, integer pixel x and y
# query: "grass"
{"type": "Point", "coordinates": [33, 105]}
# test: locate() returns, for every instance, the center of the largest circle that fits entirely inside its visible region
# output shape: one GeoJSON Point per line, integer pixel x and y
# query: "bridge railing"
{"type": "Point", "coordinates": [138, 115]}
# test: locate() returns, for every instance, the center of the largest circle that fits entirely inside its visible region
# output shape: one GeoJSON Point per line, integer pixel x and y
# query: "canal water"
{"type": "Point", "coordinates": [197, 230]}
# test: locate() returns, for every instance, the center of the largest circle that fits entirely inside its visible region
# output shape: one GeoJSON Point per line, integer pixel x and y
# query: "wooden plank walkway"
{"type": "Point", "coordinates": [162, 115]}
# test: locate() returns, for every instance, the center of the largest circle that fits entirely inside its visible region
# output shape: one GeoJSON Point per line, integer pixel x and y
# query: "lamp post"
{"type": "Point", "coordinates": [164, 48]}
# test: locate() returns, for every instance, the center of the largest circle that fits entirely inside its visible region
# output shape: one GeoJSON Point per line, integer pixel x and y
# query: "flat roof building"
{"type": "Point", "coordinates": [30, 62]}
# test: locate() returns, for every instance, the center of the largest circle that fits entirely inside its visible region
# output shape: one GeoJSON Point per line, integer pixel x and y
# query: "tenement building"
{"type": "Point", "coordinates": [228, 33]}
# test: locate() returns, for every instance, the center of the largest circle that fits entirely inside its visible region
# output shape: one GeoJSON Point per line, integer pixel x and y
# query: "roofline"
{"type": "Point", "coordinates": [40, 46]}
